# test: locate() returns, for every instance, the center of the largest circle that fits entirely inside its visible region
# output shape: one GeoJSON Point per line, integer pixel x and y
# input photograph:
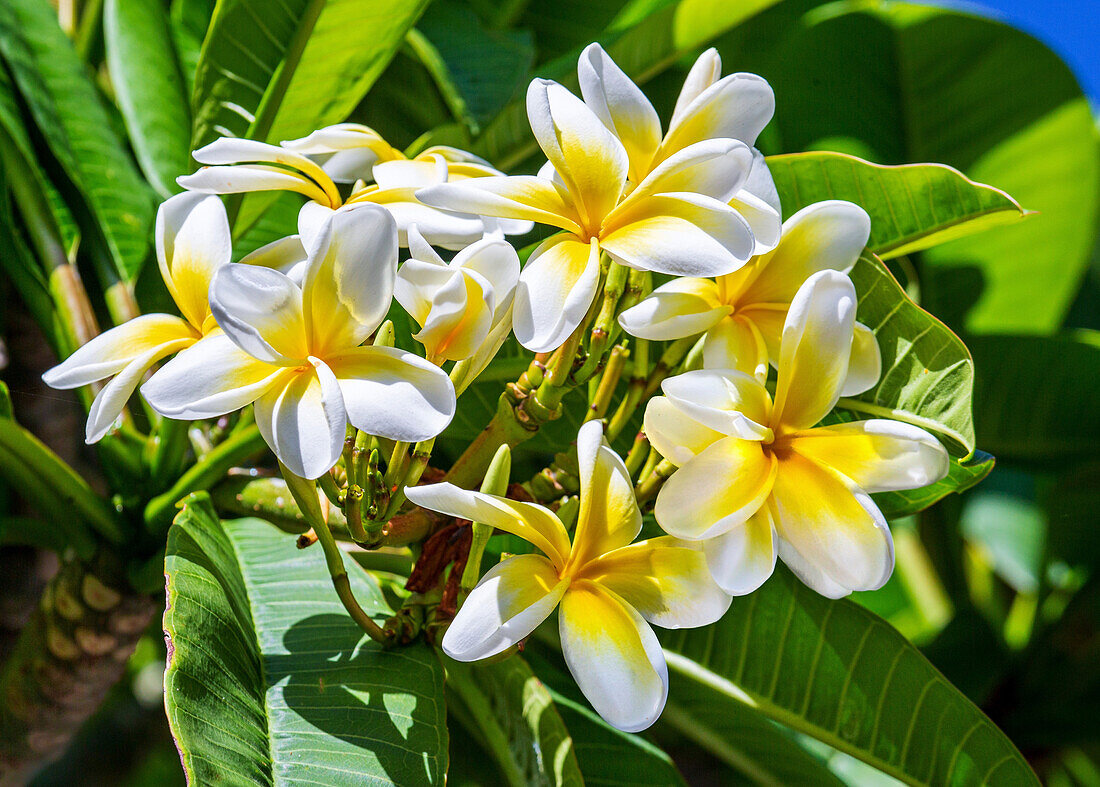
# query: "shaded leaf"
{"type": "Point", "coordinates": [270, 682]}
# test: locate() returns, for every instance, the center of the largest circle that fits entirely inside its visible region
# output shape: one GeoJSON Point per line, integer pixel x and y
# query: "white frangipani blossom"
{"type": "Point", "coordinates": [457, 304]}
{"type": "Point", "coordinates": [759, 478]}
{"type": "Point", "coordinates": [192, 243]}
{"type": "Point", "coordinates": [710, 106]}
{"type": "Point", "coordinates": [294, 350]}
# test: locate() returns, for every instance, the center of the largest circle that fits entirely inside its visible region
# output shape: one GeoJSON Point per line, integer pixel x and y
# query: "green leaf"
{"type": "Point", "coordinates": [836, 672]}
{"type": "Point", "coordinates": [78, 130]}
{"type": "Point", "coordinates": [897, 83]}
{"type": "Point", "coordinates": [1033, 393]}
{"type": "Point", "coordinates": [962, 474]}
{"type": "Point", "coordinates": [927, 373]}
{"type": "Point", "coordinates": [270, 682]}
{"type": "Point", "coordinates": [275, 71]}
{"type": "Point", "coordinates": [149, 89]}
{"type": "Point", "coordinates": [508, 709]}
{"type": "Point", "coordinates": [607, 756]}
{"type": "Point", "coordinates": [642, 51]}
{"type": "Point", "coordinates": [912, 207]}
{"type": "Point", "coordinates": [189, 22]}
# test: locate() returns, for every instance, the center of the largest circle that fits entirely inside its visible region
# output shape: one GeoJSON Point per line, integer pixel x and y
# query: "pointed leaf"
{"type": "Point", "coordinates": [268, 679]}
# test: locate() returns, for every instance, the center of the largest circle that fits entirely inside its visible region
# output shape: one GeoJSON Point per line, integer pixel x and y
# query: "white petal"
{"type": "Point", "coordinates": [736, 107]}
{"type": "Point", "coordinates": [682, 307]}
{"type": "Point", "coordinates": [417, 283]}
{"type": "Point", "coordinates": [614, 656]}
{"type": "Point", "coordinates": [730, 402]}
{"type": "Point", "coordinates": [716, 168]}
{"type": "Point", "coordinates": [816, 347]}
{"type": "Point", "coordinates": [419, 248]}
{"type": "Point", "coordinates": [865, 365]}
{"type": "Point", "coordinates": [241, 178]}
{"type": "Point", "coordinates": [742, 558]}
{"type": "Point", "coordinates": [758, 202]}
{"type": "Point", "coordinates": [621, 105]}
{"type": "Point", "coordinates": [410, 174]}
{"type": "Point", "coordinates": [260, 309]}
{"type": "Point", "coordinates": [394, 394]}
{"type": "Point", "coordinates": [706, 70]}
{"type": "Point", "coordinates": [192, 241]}
{"type": "Point", "coordinates": [555, 290]}
{"type": "Point", "coordinates": [209, 379]}
{"type": "Point", "coordinates": [303, 420]}
{"type": "Point", "coordinates": [609, 516]}
{"type": "Point", "coordinates": [497, 261]}
{"type": "Point", "coordinates": [675, 434]}
{"type": "Point", "coordinates": [509, 602]}
{"type": "Point", "coordinates": [285, 255]}
{"type": "Point", "coordinates": [522, 197]}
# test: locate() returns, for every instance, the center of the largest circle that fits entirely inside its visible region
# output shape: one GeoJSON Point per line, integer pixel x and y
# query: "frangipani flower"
{"type": "Point", "coordinates": [295, 351]}
{"type": "Point", "coordinates": [457, 304]}
{"type": "Point", "coordinates": [742, 313]}
{"type": "Point", "coordinates": [192, 242]}
{"type": "Point", "coordinates": [241, 165]}
{"type": "Point", "coordinates": [710, 106]}
{"type": "Point", "coordinates": [609, 590]}
{"type": "Point", "coordinates": [675, 221]}
{"type": "Point", "coordinates": [757, 478]}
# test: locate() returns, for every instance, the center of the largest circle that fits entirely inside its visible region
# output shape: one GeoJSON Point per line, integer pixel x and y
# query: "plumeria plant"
{"type": "Point", "coordinates": [432, 457]}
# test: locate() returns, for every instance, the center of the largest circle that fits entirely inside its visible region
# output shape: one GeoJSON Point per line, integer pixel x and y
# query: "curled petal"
{"type": "Point", "coordinates": [509, 602]}
{"type": "Point", "coordinates": [209, 379]}
{"type": "Point", "coordinates": [260, 309]}
{"type": "Point", "coordinates": [736, 107]}
{"type": "Point", "coordinates": [609, 517]}
{"type": "Point", "coordinates": [622, 107]}
{"type": "Point", "coordinates": [460, 318]}
{"type": "Point", "coordinates": [443, 228]}
{"type": "Point", "coordinates": [497, 261]}
{"type": "Point", "coordinates": [676, 435]}
{"type": "Point", "coordinates": [816, 347]}
{"type": "Point", "coordinates": [114, 350]}
{"type": "Point", "coordinates": [303, 420]}
{"type": "Point", "coordinates": [833, 526]}
{"type": "Point", "coordinates": [715, 168]}
{"type": "Point", "coordinates": [614, 656]}
{"type": "Point", "coordinates": [706, 70]}
{"type": "Point", "coordinates": [823, 236]}
{"type": "Point", "coordinates": [108, 403]}
{"type": "Point", "coordinates": [235, 150]}
{"type": "Point", "coordinates": [192, 242]}
{"type": "Point", "coordinates": [394, 394]}
{"type": "Point", "coordinates": [555, 290]}
{"type": "Point", "coordinates": [678, 234]}
{"type": "Point", "coordinates": [417, 282]}
{"type": "Point", "coordinates": [727, 401]}
{"type": "Point", "coordinates": [529, 521]}
{"type": "Point", "coordinates": [241, 178]}
{"type": "Point", "coordinates": [742, 558]}
{"type": "Point", "coordinates": [865, 365]}
{"type": "Point", "coordinates": [877, 455]}
{"type": "Point", "coordinates": [665, 579]}
{"type": "Point", "coordinates": [590, 160]}
{"type": "Point", "coordinates": [716, 490]}
{"type": "Point", "coordinates": [521, 197]}
{"type": "Point", "coordinates": [682, 307]}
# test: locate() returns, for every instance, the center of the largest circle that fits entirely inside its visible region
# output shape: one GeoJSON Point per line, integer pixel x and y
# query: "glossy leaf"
{"type": "Point", "coordinates": [927, 373]}
{"type": "Point", "coordinates": [912, 207]}
{"type": "Point", "coordinates": [836, 672]}
{"type": "Point", "coordinates": [79, 132]}
{"type": "Point", "coordinates": [963, 474]}
{"type": "Point", "coordinates": [511, 712]}
{"type": "Point", "coordinates": [279, 71]}
{"type": "Point", "coordinates": [189, 21]}
{"type": "Point", "coordinates": [268, 679]}
{"type": "Point", "coordinates": [1033, 393]}
{"type": "Point", "coordinates": [149, 89]}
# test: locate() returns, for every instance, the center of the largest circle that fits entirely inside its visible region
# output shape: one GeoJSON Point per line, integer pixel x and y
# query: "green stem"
{"type": "Point", "coordinates": [650, 485]}
{"type": "Point", "coordinates": [208, 471]}
{"type": "Point", "coordinates": [170, 444]}
{"type": "Point", "coordinates": [634, 391]}
{"type": "Point", "coordinates": [608, 381]}
{"type": "Point", "coordinates": [495, 483]}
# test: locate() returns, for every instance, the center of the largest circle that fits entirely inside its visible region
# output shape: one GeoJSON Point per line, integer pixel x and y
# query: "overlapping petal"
{"type": "Point", "coordinates": [716, 490]}
{"type": "Point", "coordinates": [614, 656]}
{"type": "Point", "coordinates": [257, 156]}
{"type": "Point", "coordinates": [727, 401]}
{"type": "Point", "coordinates": [523, 197]}
{"type": "Point", "coordinates": [609, 517]}
{"type": "Point", "coordinates": [682, 307]}
{"type": "Point", "coordinates": [555, 290]}
{"type": "Point", "coordinates": [741, 559]}
{"type": "Point", "coordinates": [676, 435]}
{"type": "Point", "coordinates": [736, 107]}
{"type": "Point", "coordinates": [260, 309]}
{"type": "Point", "coordinates": [736, 343]}
{"type": "Point", "coordinates": [192, 242]}
{"type": "Point", "coordinates": [393, 393]}
{"type": "Point", "coordinates": [509, 602]}
{"type": "Point", "coordinates": [816, 346]}
{"type": "Point", "coordinates": [865, 364]}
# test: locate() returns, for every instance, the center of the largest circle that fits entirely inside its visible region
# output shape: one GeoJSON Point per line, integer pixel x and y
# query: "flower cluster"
{"type": "Point", "coordinates": [759, 464]}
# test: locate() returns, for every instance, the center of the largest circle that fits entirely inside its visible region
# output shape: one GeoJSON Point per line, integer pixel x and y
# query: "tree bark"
{"type": "Point", "coordinates": [73, 649]}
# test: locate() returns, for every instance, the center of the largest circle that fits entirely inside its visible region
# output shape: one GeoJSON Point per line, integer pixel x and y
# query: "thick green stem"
{"type": "Point", "coordinates": [208, 471]}
{"type": "Point", "coordinates": [495, 483]}
{"type": "Point", "coordinates": [651, 483]}
{"type": "Point", "coordinates": [634, 390]}
{"type": "Point", "coordinates": [610, 379]}
{"type": "Point", "coordinates": [170, 445]}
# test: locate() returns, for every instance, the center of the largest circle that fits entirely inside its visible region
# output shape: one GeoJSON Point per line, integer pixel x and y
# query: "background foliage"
{"type": "Point", "coordinates": [993, 612]}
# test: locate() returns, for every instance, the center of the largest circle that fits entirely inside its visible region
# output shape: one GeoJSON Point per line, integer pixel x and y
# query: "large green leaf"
{"type": "Point", "coordinates": [1036, 397]}
{"type": "Point", "coordinates": [270, 682]}
{"type": "Point", "coordinates": [512, 714]}
{"type": "Point", "coordinates": [149, 88]}
{"type": "Point", "coordinates": [275, 71]}
{"type": "Point", "coordinates": [189, 21]}
{"type": "Point", "coordinates": [78, 130]}
{"type": "Point", "coordinates": [912, 207]}
{"type": "Point", "coordinates": [927, 373]}
{"type": "Point", "coordinates": [836, 672]}
{"type": "Point", "coordinates": [962, 474]}
{"type": "Point", "coordinates": [897, 83]}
